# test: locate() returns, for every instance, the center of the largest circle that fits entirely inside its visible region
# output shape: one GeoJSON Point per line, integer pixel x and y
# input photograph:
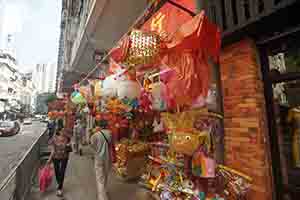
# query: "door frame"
{"type": "Point", "coordinates": [278, 187]}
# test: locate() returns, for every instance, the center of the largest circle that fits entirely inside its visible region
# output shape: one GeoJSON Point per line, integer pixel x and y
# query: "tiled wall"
{"type": "Point", "coordinates": [246, 131]}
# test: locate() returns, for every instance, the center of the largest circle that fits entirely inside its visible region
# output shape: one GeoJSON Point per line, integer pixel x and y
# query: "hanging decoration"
{"type": "Point", "coordinates": [77, 98]}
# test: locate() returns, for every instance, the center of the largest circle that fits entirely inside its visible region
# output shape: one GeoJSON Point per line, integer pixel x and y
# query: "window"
{"type": "Point", "coordinates": [261, 6]}
{"type": "Point", "coordinates": [224, 21]}
{"type": "Point", "coordinates": [234, 11]}
{"type": "Point", "coordinates": [246, 9]}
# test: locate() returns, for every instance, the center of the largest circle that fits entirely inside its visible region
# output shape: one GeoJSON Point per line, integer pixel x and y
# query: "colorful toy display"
{"type": "Point", "coordinates": [164, 129]}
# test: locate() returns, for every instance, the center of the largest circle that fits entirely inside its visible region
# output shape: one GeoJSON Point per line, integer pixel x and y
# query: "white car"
{"type": "Point", "coordinates": [27, 121]}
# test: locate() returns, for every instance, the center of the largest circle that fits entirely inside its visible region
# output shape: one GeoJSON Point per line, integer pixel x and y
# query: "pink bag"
{"type": "Point", "coordinates": [45, 177]}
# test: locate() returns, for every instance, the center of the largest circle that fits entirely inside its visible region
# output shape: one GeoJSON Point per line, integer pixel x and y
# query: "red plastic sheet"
{"type": "Point", "coordinates": [188, 54]}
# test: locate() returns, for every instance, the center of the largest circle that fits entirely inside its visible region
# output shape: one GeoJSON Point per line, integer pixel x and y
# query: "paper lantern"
{"type": "Point", "coordinates": [129, 89]}
{"type": "Point", "coordinates": [144, 48]}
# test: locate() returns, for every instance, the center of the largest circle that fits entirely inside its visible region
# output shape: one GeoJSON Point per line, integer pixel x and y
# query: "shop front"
{"type": "Point", "coordinates": [192, 120]}
{"type": "Point", "coordinates": [161, 98]}
{"type": "Point", "coordinates": [280, 68]}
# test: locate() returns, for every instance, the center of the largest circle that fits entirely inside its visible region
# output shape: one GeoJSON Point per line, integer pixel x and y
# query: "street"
{"type": "Point", "coordinates": [12, 149]}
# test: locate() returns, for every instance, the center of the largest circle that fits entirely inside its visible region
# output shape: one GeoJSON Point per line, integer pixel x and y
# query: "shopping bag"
{"type": "Point", "coordinates": [45, 177]}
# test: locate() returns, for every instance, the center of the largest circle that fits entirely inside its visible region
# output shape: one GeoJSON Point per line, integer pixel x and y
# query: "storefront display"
{"type": "Point", "coordinates": [165, 127]}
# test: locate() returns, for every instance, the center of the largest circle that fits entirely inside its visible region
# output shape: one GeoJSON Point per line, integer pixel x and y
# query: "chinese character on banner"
{"type": "Point", "coordinates": [157, 23]}
{"type": "Point", "coordinates": [169, 18]}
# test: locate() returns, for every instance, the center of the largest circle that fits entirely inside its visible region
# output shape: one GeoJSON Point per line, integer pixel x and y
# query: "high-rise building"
{"type": "Point", "coordinates": [44, 77]}
{"type": "Point", "coordinates": [1, 23]}
{"type": "Point", "coordinates": [51, 77]}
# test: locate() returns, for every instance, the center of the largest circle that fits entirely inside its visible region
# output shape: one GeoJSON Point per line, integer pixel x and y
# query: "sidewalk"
{"type": "Point", "coordinates": [80, 183]}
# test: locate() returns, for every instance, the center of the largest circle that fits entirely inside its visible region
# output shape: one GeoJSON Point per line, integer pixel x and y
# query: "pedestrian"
{"type": "Point", "coordinates": [60, 156]}
{"type": "Point", "coordinates": [60, 124]}
{"type": "Point", "coordinates": [101, 143]}
{"type": "Point", "coordinates": [51, 128]}
{"type": "Point", "coordinates": [78, 132]}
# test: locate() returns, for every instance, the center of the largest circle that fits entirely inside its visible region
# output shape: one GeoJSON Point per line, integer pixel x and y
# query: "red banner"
{"type": "Point", "coordinates": [169, 18]}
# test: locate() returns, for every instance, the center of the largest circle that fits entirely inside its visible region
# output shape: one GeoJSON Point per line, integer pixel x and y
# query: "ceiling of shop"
{"type": "Point", "coordinates": [113, 22]}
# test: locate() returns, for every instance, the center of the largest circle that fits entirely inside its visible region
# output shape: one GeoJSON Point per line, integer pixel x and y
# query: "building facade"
{"type": "Point", "coordinates": [45, 77]}
{"type": "Point", "coordinates": [16, 88]}
{"type": "Point", "coordinates": [87, 28]}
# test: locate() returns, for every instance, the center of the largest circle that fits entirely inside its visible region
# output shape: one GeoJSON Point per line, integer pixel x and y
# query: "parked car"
{"type": "Point", "coordinates": [9, 128]}
{"type": "Point", "coordinates": [45, 119]}
{"type": "Point", "coordinates": [34, 119]}
{"type": "Point", "coordinates": [27, 121]}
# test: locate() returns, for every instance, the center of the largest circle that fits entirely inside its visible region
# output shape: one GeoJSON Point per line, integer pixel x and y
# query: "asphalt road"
{"type": "Point", "coordinates": [12, 149]}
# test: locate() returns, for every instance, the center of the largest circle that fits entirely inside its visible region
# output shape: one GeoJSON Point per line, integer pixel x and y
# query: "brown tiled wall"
{"type": "Point", "coordinates": [245, 117]}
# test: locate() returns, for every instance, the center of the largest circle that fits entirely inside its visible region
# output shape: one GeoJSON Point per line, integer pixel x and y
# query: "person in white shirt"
{"type": "Point", "coordinates": [101, 143]}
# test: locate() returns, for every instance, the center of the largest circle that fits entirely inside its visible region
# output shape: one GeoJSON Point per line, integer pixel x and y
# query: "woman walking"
{"type": "Point", "coordinates": [60, 156]}
{"type": "Point", "coordinates": [101, 143]}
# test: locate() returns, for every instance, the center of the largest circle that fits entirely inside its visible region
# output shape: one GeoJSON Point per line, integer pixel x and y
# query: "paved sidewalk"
{"type": "Point", "coordinates": [80, 183]}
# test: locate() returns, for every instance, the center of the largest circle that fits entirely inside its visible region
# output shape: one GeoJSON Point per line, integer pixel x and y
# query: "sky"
{"type": "Point", "coordinates": [35, 26]}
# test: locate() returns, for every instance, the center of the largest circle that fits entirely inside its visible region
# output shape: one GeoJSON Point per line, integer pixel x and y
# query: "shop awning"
{"type": "Point", "coordinates": [107, 22]}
